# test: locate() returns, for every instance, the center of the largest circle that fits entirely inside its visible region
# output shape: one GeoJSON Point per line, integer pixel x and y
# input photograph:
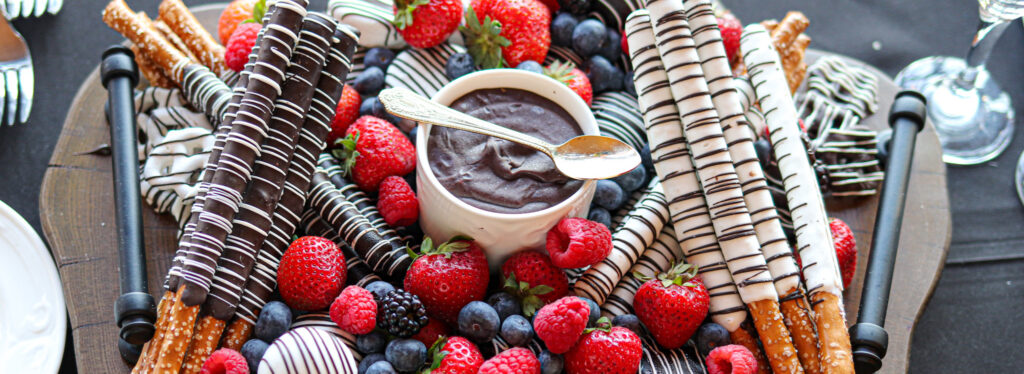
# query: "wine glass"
{"type": "Point", "coordinates": [972, 115]}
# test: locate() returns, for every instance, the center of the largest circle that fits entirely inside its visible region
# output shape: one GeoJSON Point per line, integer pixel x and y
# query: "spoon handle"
{"type": "Point", "coordinates": [407, 104]}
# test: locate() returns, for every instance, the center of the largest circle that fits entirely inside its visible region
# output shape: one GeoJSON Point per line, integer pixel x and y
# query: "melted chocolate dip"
{"type": "Point", "coordinates": [498, 175]}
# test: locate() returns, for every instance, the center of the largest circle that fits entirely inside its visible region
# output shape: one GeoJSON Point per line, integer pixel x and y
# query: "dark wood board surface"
{"type": "Point", "coordinates": [76, 210]}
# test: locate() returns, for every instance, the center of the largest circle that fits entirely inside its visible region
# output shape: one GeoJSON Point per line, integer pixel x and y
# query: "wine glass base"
{"type": "Point", "coordinates": [1018, 178]}
{"type": "Point", "coordinates": [974, 124]}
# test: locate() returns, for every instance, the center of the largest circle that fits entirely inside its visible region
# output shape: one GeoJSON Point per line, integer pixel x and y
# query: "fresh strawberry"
{"type": "Point", "coordinates": [512, 31]}
{"type": "Point", "coordinates": [731, 359]}
{"type": "Point", "coordinates": [673, 305]}
{"type": "Point", "coordinates": [513, 361]}
{"type": "Point", "coordinates": [530, 276]}
{"type": "Point", "coordinates": [577, 242]}
{"type": "Point", "coordinates": [396, 202]}
{"type": "Point", "coordinates": [355, 310]}
{"type": "Point", "coordinates": [731, 29]}
{"type": "Point", "coordinates": [846, 249]}
{"type": "Point", "coordinates": [311, 274]}
{"type": "Point", "coordinates": [605, 349]}
{"type": "Point", "coordinates": [552, 5]}
{"type": "Point", "coordinates": [373, 150]}
{"type": "Point", "coordinates": [427, 23]}
{"type": "Point", "coordinates": [346, 113]}
{"type": "Point", "coordinates": [560, 323]}
{"type": "Point", "coordinates": [435, 329]}
{"type": "Point", "coordinates": [576, 79]}
{"type": "Point", "coordinates": [454, 355]}
{"type": "Point", "coordinates": [448, 277]}
{"type": "Point", "coordinates": [225, 361]}
{"type": "Point", "coordinates": [237, 51]}
{"type": "Point", "coordinates": [625, 43]}
{"type": "Point", "coordinates": [235, 13]}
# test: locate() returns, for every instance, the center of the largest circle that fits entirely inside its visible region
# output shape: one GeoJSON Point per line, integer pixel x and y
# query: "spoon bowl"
{"type": "Point", "coordinates": [594, 157]}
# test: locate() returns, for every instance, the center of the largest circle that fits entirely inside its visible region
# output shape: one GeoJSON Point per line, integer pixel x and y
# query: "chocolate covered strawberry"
{"type": "Point", "coordinates": [512, 31]}
{"type": "Point", "coordinates": [605, 350]}
{"type": "Point", "coordinates": [531, 277]}
{"type": "Point", "coordinates": [673, 305]}
{"type": "Point", "coordinates": [373, 150]}
{"type": "Point", "coordinates": [426, 23]}
{"type": "Point", "coordinates": [448, 277]}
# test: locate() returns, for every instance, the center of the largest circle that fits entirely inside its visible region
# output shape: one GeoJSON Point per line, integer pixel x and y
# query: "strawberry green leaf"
{"type": "Point", "coordinates": [484, 40]}
{"type": "Point", "coordinates": [541, 289]}
{"type": "Point", "coordinates": [347, 151]}
{"type": "Point", "coordinates": [258, 11]}
{"type": "Point", "coordinates": [531, 304]}
{"type": "Point", "coordinates": [404, 12]}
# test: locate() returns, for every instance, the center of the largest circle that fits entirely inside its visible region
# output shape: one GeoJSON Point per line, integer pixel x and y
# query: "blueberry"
{"type": "Point", "coordinates": [478, 322]}
{"type": "Point", "coordinates": [645, 158]}
{"type": "Point", "coordinates": [629, 321]}
{"type": "Point", "coordinates": [600, 215]}
{"type": "Point", "coordinates": [372, 106]}
{"type": "Point", "coordinates": [505, 305]}
{"type": "Point", "coordinates": [379, 57]}
{"type": "Point", "coordinates": [612, 48]}
{"type": "Point", "coordinates": [595, 311]}
{"type": "Point", "coordinates": [531, 65]}
{"type": "Point", "coordinates": [373, 342]}
{"type": "Point", "coordinates": [550, 363]}
{"type": "Point", "coordinates": [709, 336]}
{"type": "Point", "coordinates": [763, 148]}
{"type": "Point", "coordinates": [588, 38]}
{"type": "Point", "coordinates": [517, 331]}
{"type": "Point", "coordinates": [577, 7]}
{"type": "Point", "coordinates": [562, 27]}
{"type": "Point", "coordinates": [379, 289]}
{"type": "Point", "coordinates": [459, 64]}
{"type": "Point", "coordinates": [253, 351]}
{"type": "Point", "coordinates": [603, 75]}
{"type": "Point", "coordinates": [274, 321]}
{"type": "Point", "coordinates": [628, 85]}
{"type": "Point", "coordinates": [370, 81]}
{"type": "Point", "coordinates": [609, 195]}
{"type": "Point", "coordinates": [632, 180]}
{"type": "Point", "coordinates": [381, 367]}
{"type": "Point", "coordinates": [406, 354]}
{"type": "Point", "coordinates": [369, 360]}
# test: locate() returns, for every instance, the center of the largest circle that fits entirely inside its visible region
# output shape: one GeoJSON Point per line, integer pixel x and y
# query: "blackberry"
{"type": "Point", "coordinates": [402, 314]}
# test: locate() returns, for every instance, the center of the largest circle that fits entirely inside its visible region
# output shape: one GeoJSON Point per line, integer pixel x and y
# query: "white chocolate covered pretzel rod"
{"type": "Point", "coordinates": [814, 240]}
{"type": "Point", "coordinates": [658, 257]}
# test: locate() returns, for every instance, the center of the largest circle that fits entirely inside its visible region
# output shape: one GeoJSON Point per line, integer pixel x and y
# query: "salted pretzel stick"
{"type": "Point", "coordinates": [658, 257]}
{"type": "Point", "coordinates": [740, 140]}
{"type": "Point", "coordinates": [166, 31]}
{"type": "Point", "coordinates": [675, 170]}
{"type": "Point", "coordinates": [153, 74]}
{"type": "Point", "coordinates": [730, 216]}
{"type": "Point", "coordinates": [631, 238]}
{"type": "Point", "coordinates": [790, 43]}
{"type": "Point", "coordinates": [208, 52]}
{"type": "Point", "coordinates": [119, 17]}
{"type": "Point", "coordinates": [814, 240]}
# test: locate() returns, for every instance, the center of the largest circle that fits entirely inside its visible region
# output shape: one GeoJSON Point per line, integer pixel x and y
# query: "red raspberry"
{"type": "Point", "coordinates": [577, 242]}
{"type": "Point", "coordinates": [225, 361]}
{"type": "Point", "coordinates": [457, 356]}
{"type": "Point", "coordinates": [513, 361]}
{"type": "Point", "coordinates": [311, 274]}
{"type": "Point", "coordinates": [561, 323]}
{"type": "Point", "coordinates": [397, 202]}
{"type": "Point", "coordinates": [429, 334]}
{"type": "Point", "coordinates": [355, 310]}
{"type": "Point", "coordinates": [345, 114]}
{"type": "Point", "coordinates": [731, 359]}
{"type": "Point", "coordinates": [731, 29]}
{"type": "Point", "coordinates": [240, 44]}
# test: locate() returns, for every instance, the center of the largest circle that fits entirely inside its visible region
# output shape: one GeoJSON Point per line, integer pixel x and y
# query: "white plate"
{"type": "Point", "coordinates": [33, 325]}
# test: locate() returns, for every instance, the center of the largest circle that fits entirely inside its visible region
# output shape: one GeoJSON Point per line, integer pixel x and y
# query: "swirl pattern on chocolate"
{"type": "Point", "coordinates": [421, 70]}
{"type": "Point", "coordinates": [617, 116]}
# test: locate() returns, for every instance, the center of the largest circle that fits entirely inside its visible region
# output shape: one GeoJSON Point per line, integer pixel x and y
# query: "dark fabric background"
{"type": "Point", "coordinates": [974, 320]}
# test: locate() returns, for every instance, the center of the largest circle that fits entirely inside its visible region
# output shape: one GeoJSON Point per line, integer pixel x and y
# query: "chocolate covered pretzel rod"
{"type": "Point", "coordinates": [358, 272]}
{"type": "Point", "coordinates": [658, 257]}
{"type": "Point", "coordinates": [208, 52]}
{"type": "Point", "coordinates": [814, 240]}
{"type": "Point", "coordinates": [730, 216]}
{"type": "Point", "coordinates": [740, 140]}
{"type": "Point", "coordinates": [638, 230]}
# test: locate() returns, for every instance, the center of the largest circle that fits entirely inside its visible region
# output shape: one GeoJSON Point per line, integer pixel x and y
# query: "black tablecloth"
{"type": "Point", "coordinates": [974, 318]}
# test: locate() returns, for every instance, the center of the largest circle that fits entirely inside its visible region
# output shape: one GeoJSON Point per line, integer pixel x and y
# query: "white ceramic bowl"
{"type": "Point", "coordinates": [443, 215]}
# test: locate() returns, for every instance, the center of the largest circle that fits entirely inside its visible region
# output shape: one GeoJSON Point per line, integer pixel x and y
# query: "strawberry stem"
{"type": "Point", "coordinates": [404, 12]}
{"type": "Point", "coordinates": [484, 40]}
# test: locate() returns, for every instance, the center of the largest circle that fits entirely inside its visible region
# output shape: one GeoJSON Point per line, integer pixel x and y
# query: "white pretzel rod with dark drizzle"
{"type": "Point", "coordinates": [658, 257]}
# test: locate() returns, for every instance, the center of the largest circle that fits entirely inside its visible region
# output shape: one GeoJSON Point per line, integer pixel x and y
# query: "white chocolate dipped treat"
{"type": "Point", "coordinates": [740, 140]}
{"type": "Point", "coordinates": [372, 18]}
{"type": "Point", "coordinates": [322, 320]}
{"type": "Point", "coordinates": [166, 179]}
{"type": "Point", "coordinates": [682, 360]}
{"type": "Point", "coordinates": [814, 240]}
{"type": "Point", "coordinates": [686, 203]}
{"type": "Point", "coordinates": [846, 86]}
{"type": "Point", "coordinates": [308, 350]}
{"type": "Point", "coordinates": [658, 257]}
{"type": "Point", "coordinates": [714, 166]}
{"type": "Point", "coordinates": [630, 239]}
{"type": "Point", "coordinates": [421, 70]}
{"type": "Point", "coordinates": [562, 54]}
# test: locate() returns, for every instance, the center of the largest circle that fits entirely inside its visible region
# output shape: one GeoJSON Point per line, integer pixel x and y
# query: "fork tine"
{"type": "Point", "coordinates": [54, 6]}
{"type": "Point", "coordinates": [11, 76]}
{"type": "Point", "coordinates": [40, 7]}
{"type": "Point", "coordinates": [26, 83]}
{"type": "Point", "coordinates": [26, 7]}
{"type": "Point", "coordinates": [3, 95]}
{"type": "Point", "coordinates": [13, 8]}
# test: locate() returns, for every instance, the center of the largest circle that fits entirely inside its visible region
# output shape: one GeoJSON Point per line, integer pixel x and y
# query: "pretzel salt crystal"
{"type": "Point", "coordinates": [119, 17]}
{"type": "Point", "coordinates": [153, 74]}
{"type": "Point", "coordinates": [814, 239]}
{"type": "Point", "coordinates": [202, 45]}
{"type": "Point", "coordinates": [790, 43]}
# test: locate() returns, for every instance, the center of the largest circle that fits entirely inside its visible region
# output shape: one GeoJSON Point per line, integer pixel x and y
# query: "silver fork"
{"type": "Point", "coordinates": [28, 8]}
{"type": "Point", "coordinates": [16, 77]}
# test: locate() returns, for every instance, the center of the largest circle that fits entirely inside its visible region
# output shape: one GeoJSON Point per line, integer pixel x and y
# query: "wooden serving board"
{"type": "Point", "coordinates": [77, 213]}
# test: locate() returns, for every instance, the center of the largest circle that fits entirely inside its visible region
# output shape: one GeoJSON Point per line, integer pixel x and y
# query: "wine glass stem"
{"type": "Point", "coordinates": [985, 39]}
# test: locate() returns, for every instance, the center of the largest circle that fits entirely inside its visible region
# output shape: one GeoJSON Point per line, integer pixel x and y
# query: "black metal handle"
{"type": "Point", "coordinates": [868, 337]}
{"type": "Point", "coordinates": [135, 309]}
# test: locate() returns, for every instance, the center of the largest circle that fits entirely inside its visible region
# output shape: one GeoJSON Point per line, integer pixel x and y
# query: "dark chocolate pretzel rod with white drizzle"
{"type": "Point", "coordinates": [674, 167]}
{"type": "Point", "coordinates": [630, 239]}
{"type": "Point", "coordinates": [263, 278]}
{"type": "Point", "coordinates": [814, 239]}
{"type": "Point", "coordinates": [740, 140]}
{"type": "Point", "coordinates": [359, 273]}
{"type": "Point", "coordinates": [730, 216]}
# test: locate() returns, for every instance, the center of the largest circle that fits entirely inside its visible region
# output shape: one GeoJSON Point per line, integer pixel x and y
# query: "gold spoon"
{"type": "Point", "coordinates": [582, 157]}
